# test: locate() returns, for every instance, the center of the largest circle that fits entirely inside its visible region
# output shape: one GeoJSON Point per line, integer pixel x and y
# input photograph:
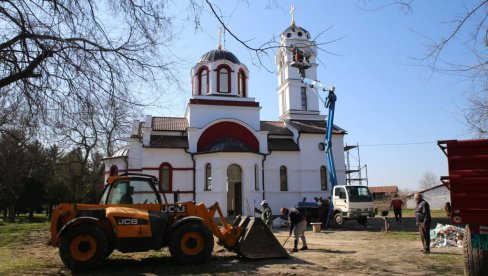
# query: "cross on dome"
{"type": "Point", "coordinates": [220, 39]}
{"type": "Point", "coordinates": [292, 12]}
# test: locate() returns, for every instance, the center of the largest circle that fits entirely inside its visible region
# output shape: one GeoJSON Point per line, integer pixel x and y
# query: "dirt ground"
{"type": "Point", "coordinates": [348, 250]}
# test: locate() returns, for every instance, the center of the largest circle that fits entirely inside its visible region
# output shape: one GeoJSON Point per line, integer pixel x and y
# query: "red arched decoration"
{"type": "Point", "coordinates": [199, 80]}
{"type": "Point", "coordinates": [242, 82]}
{"type": "Point", "coordinates": [170, 180]}
{"type": "Point", "coordinates": [228, 130]}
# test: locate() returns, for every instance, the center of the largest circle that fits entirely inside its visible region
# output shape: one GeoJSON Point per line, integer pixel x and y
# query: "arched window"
{"type": "Point", "coordinates": [256, 177]}
{"type": "Point", "coordinates": [223, 78]}
{"type": "Point", "coordinates": [114, 170]}
{"type": "Point", "coordinates": [203, 81]}
{"type": "Point", "coordinates": [208, 177]}
{"type": "Point", "coordinates": [241, 86]}
{"type": "Point", "coordinates": [283, 179]}
{"type": "Point", "coordinates": [323, 178]}
{"type": "Point", "coordinates": [165, 177]}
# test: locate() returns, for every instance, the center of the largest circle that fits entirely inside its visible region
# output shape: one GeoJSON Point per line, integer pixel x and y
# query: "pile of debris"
{"type": "Point", "coordinates": [446, 236]}
{"type": "Point", "coordinates": [279, 222]}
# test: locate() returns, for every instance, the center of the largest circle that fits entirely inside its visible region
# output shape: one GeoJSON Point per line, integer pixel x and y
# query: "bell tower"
{"type": "Point", "coordinates": [296, 100]}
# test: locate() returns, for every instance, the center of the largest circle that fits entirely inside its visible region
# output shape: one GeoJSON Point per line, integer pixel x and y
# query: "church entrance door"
{"type": "Point", "coordinates": [234, 190]}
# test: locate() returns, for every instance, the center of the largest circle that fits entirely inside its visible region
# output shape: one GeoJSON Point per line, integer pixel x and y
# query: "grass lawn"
{"type": "Point", "coordinates": [12, 236]}
{"type": "Point", "coordinates": [433, 213]}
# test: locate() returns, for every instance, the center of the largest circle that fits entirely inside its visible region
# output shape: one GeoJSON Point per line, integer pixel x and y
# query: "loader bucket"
{"type": "Point", "coordinates": [257, 240]}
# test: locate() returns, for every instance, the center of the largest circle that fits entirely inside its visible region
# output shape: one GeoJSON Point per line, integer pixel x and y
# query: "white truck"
{"type": "Point", "coordinates": [352, 202]}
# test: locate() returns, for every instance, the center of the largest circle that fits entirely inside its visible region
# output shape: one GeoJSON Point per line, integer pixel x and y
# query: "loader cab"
{"type": "Point", "coordinates": [140, 188]}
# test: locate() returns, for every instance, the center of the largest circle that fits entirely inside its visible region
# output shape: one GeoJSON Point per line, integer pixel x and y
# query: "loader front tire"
{"type": "Point", "coordinates": [83, 247]}
{"type": "Point", "coordinates": [191, 243]}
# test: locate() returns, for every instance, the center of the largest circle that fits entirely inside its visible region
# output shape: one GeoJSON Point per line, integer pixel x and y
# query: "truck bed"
{"type": "Point", "coordinates": [467, 180]}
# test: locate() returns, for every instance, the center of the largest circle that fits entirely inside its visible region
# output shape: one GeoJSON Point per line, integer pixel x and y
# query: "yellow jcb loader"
{"type": "Point", "coordinates": [131, 217]}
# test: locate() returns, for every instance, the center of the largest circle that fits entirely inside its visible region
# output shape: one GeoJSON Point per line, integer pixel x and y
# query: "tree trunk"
{"type": "Point", "coordinates": [11, 212]}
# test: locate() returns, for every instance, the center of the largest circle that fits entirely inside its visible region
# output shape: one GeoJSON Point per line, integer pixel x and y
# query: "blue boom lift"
{"type": "Point", "coordinates": [301, 65]}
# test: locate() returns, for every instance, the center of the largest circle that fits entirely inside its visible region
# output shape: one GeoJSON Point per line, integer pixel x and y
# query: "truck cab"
{"type": "Point", "coordinates": [352, 202]}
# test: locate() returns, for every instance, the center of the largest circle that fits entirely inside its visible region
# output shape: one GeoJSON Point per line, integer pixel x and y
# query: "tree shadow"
{"type": "Point", "coordinates": [165, 265]}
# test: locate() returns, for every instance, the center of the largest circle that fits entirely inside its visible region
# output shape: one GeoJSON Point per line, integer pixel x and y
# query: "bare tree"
{"type": "Point", "coordinates": [469, 30]}
{"type": "Point", "coordinates": [71, 73]}
{"type": "Point", "coordinates": [428, 180]}
{"type": "Point", "coordinates": [61, 61]}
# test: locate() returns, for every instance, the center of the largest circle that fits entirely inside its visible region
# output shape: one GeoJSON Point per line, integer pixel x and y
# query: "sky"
{"type": "Point", "coordinates": [394, 108]}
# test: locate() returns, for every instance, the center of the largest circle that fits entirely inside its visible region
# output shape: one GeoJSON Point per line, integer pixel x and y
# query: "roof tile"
{"type": "Point", "coordinates": [169, 123]}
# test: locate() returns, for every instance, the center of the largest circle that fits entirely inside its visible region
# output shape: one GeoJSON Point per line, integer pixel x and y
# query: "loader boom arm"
{"type": "Point", "coordinates": [227, 234]}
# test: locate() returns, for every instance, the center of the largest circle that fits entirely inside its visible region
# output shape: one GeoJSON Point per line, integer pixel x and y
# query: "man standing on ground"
{"type": "Point", "coordinates": [298, 225]}
{"type": "Point", "coordinates": [397, 204]}
{"type": "Point", "coordinates": [266, 214]}
{"type": "Point", "coordinates": [423, 219]}
{"type": "Point", "coordinates": [323, 211]}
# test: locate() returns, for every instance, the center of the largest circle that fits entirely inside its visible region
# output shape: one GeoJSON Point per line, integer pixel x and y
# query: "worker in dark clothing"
{"type": "Point", "coordinates": [323, 211]}
{"type": "Point", "coordinates": [127, 197]}
{"type": "Point", "coordinates": [448, 209]}
{"type": "Point", "coordinates": [396, 204]}
{"type": "Point", "coordinates": [423, 219]}
{"type": "Point", "coordinates": [298, 225]}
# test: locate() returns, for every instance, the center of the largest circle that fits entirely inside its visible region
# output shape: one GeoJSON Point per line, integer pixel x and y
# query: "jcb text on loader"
{"type": "Point", "coordinates": [86, 234]}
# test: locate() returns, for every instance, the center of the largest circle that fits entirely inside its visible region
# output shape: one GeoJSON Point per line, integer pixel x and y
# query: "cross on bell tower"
{"type": "Point", "coordinates": [292, 12]}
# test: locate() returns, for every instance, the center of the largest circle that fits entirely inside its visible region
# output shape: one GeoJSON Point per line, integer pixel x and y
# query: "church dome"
{"type": "Point", "coordinates": [220, 54]}
{"type": "Point", "coordinates": [295, 32]}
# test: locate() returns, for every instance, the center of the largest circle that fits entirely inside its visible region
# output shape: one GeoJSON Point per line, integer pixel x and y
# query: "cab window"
{"type": "Point", "coordinates": [340, 192]}
{"type": "Point", "coordinates": [135, 191]}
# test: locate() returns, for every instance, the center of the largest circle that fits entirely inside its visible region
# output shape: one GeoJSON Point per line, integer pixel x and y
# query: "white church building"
{"type": "Point", "coordinates": [221, 151]}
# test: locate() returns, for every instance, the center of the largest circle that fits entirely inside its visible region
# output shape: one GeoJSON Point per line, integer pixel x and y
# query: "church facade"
{"type": "Point", "coordinates": [220, 150]}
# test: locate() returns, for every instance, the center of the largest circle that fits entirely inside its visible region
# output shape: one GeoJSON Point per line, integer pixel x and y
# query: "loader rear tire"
{"type": "Point", "coordinates": [475, 259]}
{"type": "Point", "coordinates": [83, 247]}
{"type": "Point", "coordinates": [191, 243]}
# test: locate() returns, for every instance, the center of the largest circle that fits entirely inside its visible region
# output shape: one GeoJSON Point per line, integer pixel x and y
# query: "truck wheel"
{"type": "Point", "coordinates": [339, 219]}
{"type": "Point", "coordinates": [475, 259]}
{"type": "Point", "coordinates": [191, 243]}
{"type": "Point", "coordinates": [362, 220]}
{"type": "Point", "coordinates": [83, 247]}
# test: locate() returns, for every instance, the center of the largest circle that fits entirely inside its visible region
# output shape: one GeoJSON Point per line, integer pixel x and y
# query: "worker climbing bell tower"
{"type": "Point", "coordinates": [296, 100]}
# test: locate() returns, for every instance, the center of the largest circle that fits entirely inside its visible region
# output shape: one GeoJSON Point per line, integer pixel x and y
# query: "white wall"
{"type": "Point", "coordinates": [220, 162]}
{"type": "Point", "coordinates": [436, 198]}
{"type": "Point", "coordinates": [201, 115]}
